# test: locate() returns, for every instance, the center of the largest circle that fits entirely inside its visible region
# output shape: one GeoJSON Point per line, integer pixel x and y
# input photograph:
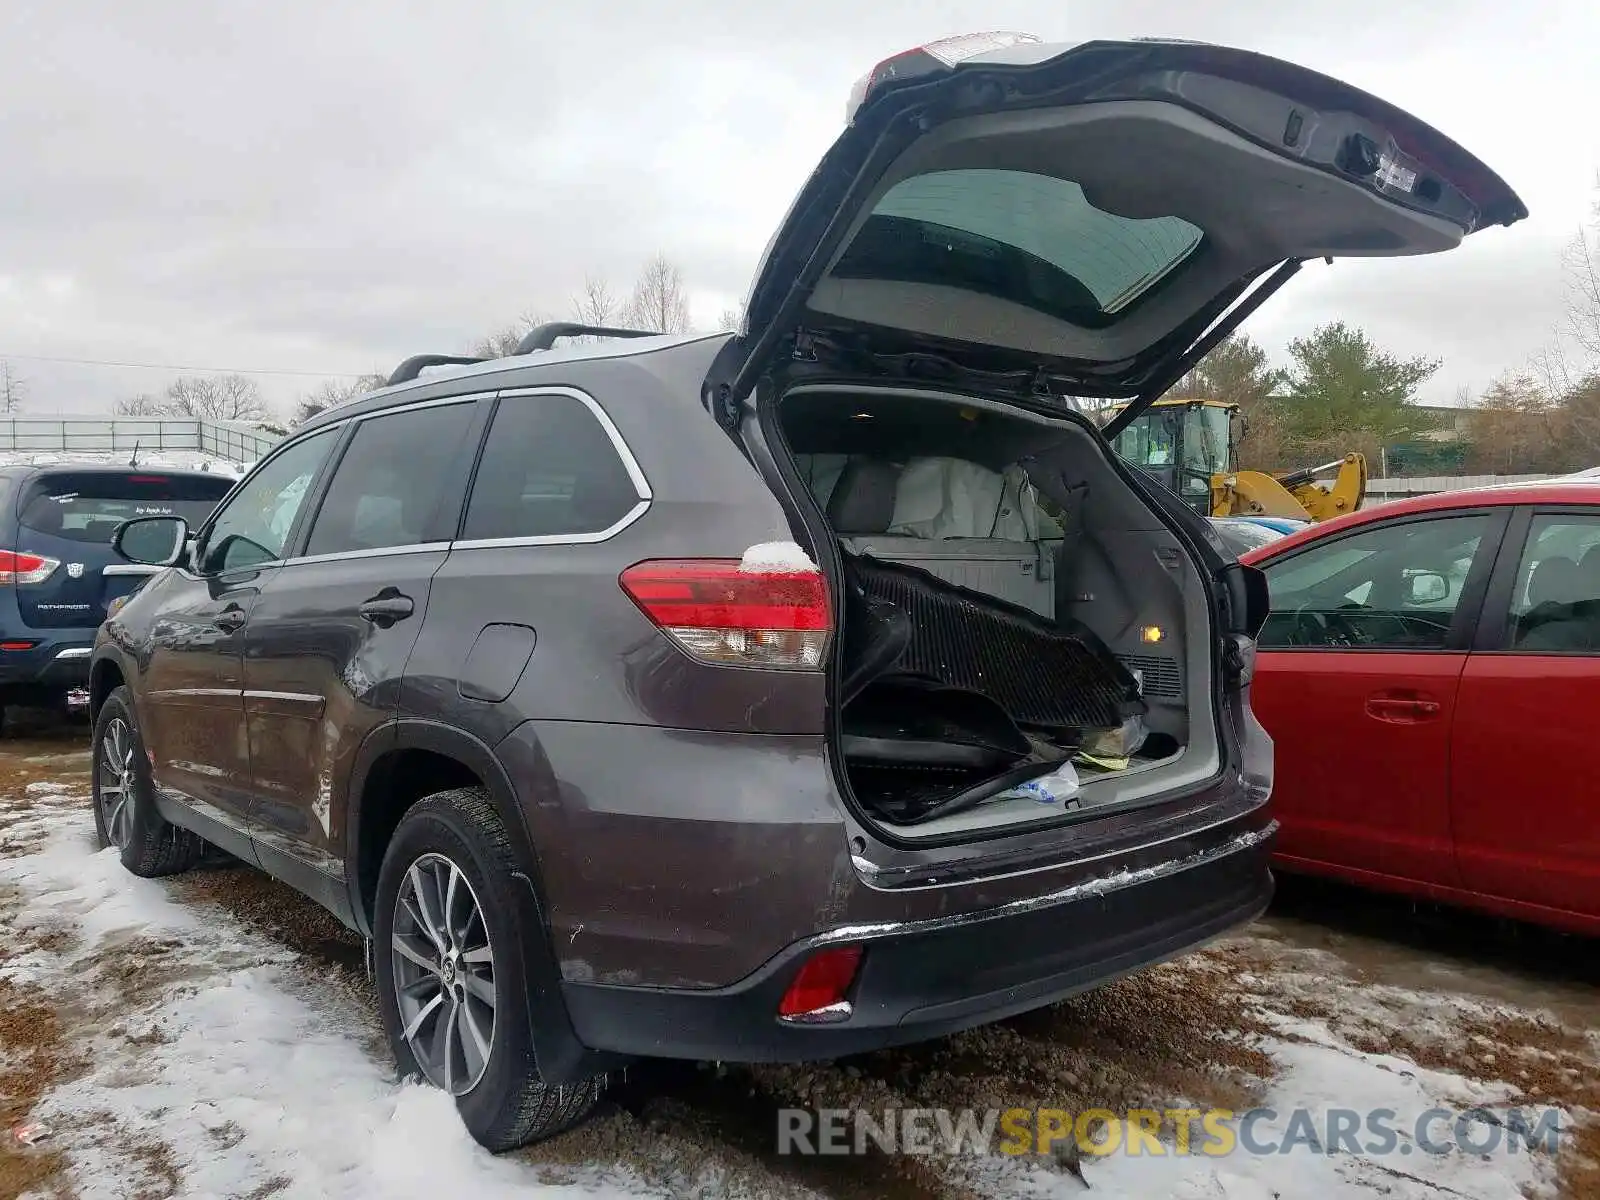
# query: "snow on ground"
{"type": "Point", "coordinates": [198, 1056]}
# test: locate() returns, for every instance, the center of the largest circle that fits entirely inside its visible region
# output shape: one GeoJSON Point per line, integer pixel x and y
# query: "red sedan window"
{"type": "Point", "coordinates": [1389, 586]}
{"type": "Point", "coordinates": [1555, 602]}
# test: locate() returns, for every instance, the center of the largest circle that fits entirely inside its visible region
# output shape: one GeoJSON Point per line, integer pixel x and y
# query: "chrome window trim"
{"type": "Point", "coordinates": [415, 406]}
{"type": "Point", "coordinates": [619, 444]}
{"type": "Point", "coordinates": [356, 419]}
{"type": "Point", "coordinates": [374, 552]}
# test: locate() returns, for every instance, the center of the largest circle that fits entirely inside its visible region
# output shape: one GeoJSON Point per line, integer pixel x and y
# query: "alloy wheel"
{"type": "Point", "coordinates": [115, 781]}
{"type": "Point", "coordinates": [443, 974]}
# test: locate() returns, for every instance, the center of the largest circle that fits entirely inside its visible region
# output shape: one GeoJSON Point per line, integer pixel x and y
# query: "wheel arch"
{"type": "Point", "coordinates": [451, 757]}
{"type": "Point", "coordinates": [106, 674]}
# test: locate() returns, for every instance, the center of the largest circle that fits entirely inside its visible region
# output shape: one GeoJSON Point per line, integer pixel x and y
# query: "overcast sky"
{"type": "Point", "coordinates": [330, 186]}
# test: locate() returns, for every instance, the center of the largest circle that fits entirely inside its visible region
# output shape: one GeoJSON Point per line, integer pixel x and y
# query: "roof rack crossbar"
{"type": "Point", "coordinates": [417, 363]}
{"type": "Point", "coordinates": [543, 337]}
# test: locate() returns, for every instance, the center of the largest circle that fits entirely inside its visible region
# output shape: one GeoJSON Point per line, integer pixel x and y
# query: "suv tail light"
{"type": "Point", "coordinates": [17, 567]}
{"type": "Point", "coordinates": [727, 613]}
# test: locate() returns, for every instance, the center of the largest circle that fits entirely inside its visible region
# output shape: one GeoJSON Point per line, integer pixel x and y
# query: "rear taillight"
{"type": "Point", "coordinates": [17, 567]}
{"type": "Point", "coordinates": [724, 612]}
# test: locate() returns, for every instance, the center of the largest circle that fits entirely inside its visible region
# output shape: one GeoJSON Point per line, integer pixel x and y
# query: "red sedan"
{"type": "Point", "coordinates": [1430, 675]}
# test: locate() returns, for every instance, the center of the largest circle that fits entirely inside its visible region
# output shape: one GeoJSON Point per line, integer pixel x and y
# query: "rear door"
{"type": "Point", "coordinates": [330, 634]}
{"type": "Point", "coordinates": [69, 517]}
{"type": "Point", "coordinates": [1057, 220]}
{"type": "Point", "coordinates": [1356, 680]}
{"type": "Point", "coordinates": [1524, 802]}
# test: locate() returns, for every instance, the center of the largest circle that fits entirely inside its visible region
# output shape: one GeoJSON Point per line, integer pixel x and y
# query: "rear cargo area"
{"type": "Point", "coordinates": [1016, 624]}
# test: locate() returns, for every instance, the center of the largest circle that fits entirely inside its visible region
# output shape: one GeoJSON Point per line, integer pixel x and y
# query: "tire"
{"type": "Point", "coordinates": [476, 981]}
{"type": "Point", "coordinates": [148, 844]}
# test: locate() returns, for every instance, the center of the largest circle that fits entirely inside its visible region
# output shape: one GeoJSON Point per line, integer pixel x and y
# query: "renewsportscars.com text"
{"type": "Point", "coordinates": [1216, 1133]}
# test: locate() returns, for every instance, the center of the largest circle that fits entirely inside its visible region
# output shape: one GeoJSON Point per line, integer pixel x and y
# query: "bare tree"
{"type": "Point", "coordinates": [732, 319]}
{"type": "Point", "coordinates": [1581, 265]}
{"type": "Point", "coordinates": [333, 393]}
{"type": "Point", "coordinates": [214, 398]}
{"type": "Point", "coordinates": [13, 387]}
{"type": "Point", "coordinates": [142, 405]}
{"type": "Point", "coordinates": [209, 397]}
{"type": "Point", "coordinates": [659, 301]}
{"type": "Point", "coordinates": [503, 341]}
{"type": "Point", "coordinates": [1510, 428]}
{"type": "Point", "coordinates": [597, 304]}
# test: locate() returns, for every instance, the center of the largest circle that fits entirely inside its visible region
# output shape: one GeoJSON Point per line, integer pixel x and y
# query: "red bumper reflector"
{"type": "Point", "coordinates": [17, 645]}
{"type": "Point", "coordinates": [822, 982]}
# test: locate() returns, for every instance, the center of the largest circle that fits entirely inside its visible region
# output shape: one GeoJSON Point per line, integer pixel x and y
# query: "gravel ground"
{"type": "Point", "coordinates": [1518, 1014]}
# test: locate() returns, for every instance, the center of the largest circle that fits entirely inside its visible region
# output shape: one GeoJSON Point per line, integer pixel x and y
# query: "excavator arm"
{"type": "Point", "coordinates": [1296, 494]}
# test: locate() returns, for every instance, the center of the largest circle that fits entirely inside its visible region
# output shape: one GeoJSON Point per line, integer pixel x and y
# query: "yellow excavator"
{"type": "Point", "coordinates": [1191, 446]}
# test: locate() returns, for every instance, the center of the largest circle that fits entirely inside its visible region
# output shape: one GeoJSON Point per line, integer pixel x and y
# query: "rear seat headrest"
{"type": "Point", "coordinates": [863, 500]}
{"type": "Point", "coordinates": [1553, 581]}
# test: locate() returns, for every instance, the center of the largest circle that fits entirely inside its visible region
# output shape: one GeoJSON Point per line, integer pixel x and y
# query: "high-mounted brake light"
{"type": "Point", "coordinates": [17, 567]}
{"type": "Point", "coordinates": [730, 613]}
{"type": "Point", "coordinates": [927, 59]}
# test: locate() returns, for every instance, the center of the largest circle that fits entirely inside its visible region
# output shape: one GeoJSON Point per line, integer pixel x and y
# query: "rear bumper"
{"type": "Point", "coordinates": [925, 979]}
{"type": "Point", "coordinates": [50, 668]}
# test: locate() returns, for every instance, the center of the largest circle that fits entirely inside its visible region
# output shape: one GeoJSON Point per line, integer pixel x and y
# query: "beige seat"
{"type": "Point", "coordinates": [942, 515]}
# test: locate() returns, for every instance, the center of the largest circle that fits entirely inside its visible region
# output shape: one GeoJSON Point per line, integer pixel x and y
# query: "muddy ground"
{"type": "Point", "coordinates": [1492, 1004]}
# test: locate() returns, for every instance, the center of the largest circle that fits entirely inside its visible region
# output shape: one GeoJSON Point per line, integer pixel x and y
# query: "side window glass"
{"type": "Point", "coordinates": [549, 470]}
{"type": "Point", "coordinates": [252, 527]}
{"type": "Point", "coordinates": [1389, 587]}
{"type": "Point", "coordinates": [387, 487]}
{"type": "Point", "coordinates": [1555, 601]}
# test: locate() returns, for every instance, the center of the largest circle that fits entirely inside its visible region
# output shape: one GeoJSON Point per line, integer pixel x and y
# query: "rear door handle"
{"type": "Point", "coordinates": [387, 607]}
{"type": "Point", "coordinates": [1402, 709]}
{"type": "Point", "coordinates": [230, 619]}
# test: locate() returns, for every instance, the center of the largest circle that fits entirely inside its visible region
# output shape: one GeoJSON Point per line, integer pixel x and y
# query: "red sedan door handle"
{"type": "Point", "coordinates": [1401, 710]}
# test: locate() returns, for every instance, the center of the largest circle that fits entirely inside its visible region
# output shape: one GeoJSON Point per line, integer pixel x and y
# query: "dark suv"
{"type": "Point", "coordinates": [58, 573]}
{"type": "Point", "coordinates": [787, 694]}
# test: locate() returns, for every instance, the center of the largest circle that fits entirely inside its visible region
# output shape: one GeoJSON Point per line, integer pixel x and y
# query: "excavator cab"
{"type": "Point", "coordinates": [1184, 445]}
{"type": "Point", "coordinates": [1191, 447]}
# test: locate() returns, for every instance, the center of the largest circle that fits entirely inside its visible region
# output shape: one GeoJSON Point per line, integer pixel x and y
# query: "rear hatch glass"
{"type": "Point", "coordinates": [1030, 239]}
{"type": "Point", "coordinates": [69, 517]}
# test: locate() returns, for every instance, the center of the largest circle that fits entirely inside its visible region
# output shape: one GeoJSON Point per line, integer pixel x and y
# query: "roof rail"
{"type": "Point", "coordinates": [542, 337]}
{"type": "Point", "coordinates": [417, 363]}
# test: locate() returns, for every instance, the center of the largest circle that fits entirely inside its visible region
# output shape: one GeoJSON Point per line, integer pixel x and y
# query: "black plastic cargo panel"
{"type": "Point", "coordinates": [1045, 674]}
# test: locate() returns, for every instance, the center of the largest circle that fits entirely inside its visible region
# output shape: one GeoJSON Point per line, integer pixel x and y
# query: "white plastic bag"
{"type": "Point", "coordinates": [1058, 787]}
{"type": "Point", "coordinates": [1121, 741]}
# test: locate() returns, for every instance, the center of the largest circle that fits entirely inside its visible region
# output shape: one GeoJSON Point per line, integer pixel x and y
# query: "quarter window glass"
{"type": "Point", "coordinates": [1393, 587]}
{"type": "Point", "coordinates": [387, 487]}
{"type": "Point", "coordinates": [253, 526]}
{"type": "Point", "coordinates": [1555, 603]}
{"type": "Point", "coordinates": [549, 470]}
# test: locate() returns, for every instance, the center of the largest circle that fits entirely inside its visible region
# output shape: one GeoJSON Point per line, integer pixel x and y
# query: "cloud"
{"type": "Point", "coordinates": [319, 187]}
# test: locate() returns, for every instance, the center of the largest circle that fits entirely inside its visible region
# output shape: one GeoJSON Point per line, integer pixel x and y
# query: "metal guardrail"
{"type": "Point", "coordinates": [234, 441]}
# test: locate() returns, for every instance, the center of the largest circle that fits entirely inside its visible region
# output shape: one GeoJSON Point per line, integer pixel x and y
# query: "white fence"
{"type": "Point", "coordinates": [95, 437]}
{"type": "Point", "coordinates": [1396, 487]}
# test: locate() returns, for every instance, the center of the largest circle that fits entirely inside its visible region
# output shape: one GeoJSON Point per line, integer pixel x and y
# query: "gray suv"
{"type": "Point", "coordinates": [793, 693]}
